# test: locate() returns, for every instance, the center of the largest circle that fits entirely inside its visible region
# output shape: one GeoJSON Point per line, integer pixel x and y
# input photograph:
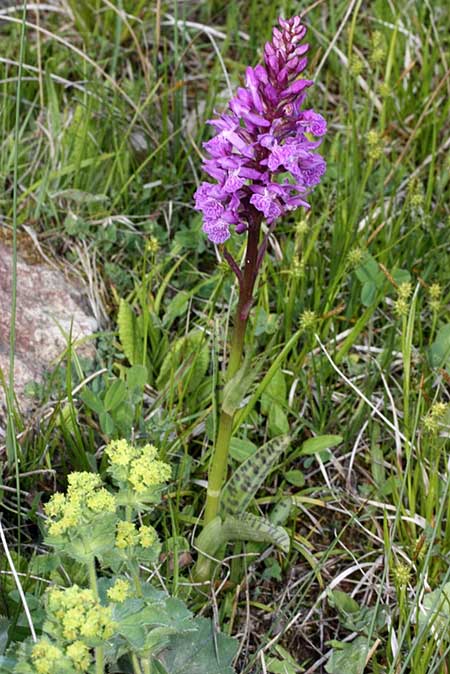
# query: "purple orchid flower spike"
{"type": "Point", "coordinates": [263, 162]}
{"type": "Point", "coordinates": [262, 156]}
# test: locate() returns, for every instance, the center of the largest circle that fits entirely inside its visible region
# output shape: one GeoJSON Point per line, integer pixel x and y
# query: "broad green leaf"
{"type": "Point", "coordinates": [435, 611]}
{"type": "Point", "coordinates": [129, 333]}
{"type": "Point", "coordinates": [201, 652]}
{"type": "Point", "coordinates": [249, 476]}
{"type": "Point", "coordinates": [278, 421]}
{"type": "Point", "coordinates": [92, 401]}
{"type": "Point", "coordinates": [319, 443]}
{"type": "Point", "coordinates": [368, 293]}
{"type": "Point", "coordinates": [343, 602]}
{"type": "Point", "coordinates": [176, 307]}
{"type": "Point", "coordinates": [401, 276]}
{"type": "Point", "coordinates": [238, 387]}
{"type": "Point", "coordinates": [246, 527]}
{"type": "Point", "coordinates": [275, 393]}
{"type": "Point", "coordinates": [369, 271]}
{"type": "Point", "coordinates": [284, 663]}
{"type": "Point", "coordinates": [439, 351]}
{"type": "Point", "coordinates": [275, 666]}
{"type": "Point", "coordinates": [115, 395]}
{"type": "Point", "coordinates": [350, 659]}
{"type": "Point", "coordinates": [241, 449]}
{"type": "Point", "coordinates": [295, 477]}
{"type": "Point", "coordinates": [106, 422]}
{"type": "Point", "coordinates": [136, 377]}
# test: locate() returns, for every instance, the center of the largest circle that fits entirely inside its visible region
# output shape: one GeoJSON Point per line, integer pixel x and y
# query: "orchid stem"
{"type": "Point", "coordinates": [219, 461]}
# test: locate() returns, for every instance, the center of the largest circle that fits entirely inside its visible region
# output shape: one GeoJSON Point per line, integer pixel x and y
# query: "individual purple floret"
{"type": "Point", "coordinates": [262, 156]}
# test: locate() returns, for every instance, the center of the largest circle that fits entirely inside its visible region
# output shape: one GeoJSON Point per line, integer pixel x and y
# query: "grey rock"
{"type": "Point", "coordinates": [49, 309]}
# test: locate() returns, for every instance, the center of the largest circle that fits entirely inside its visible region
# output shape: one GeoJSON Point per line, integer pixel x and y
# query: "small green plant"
{"type": "Point", "coordinates": [119, 619]}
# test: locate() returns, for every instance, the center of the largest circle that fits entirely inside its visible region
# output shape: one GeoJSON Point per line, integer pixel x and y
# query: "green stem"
{"type": "Point", "coordinates": [136, 666]}
{"type": "Point", "coordinates": [219, 461]}
{"type": "Point", "coordinates": [99, 651]}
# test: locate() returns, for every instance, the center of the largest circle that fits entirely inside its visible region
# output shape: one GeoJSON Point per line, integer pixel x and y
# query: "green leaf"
{"type": "Point", "coordinates": [275, 666]}
{"type": "Point", "coordinates": [115, 395]}
{"type": "Point", "coordinates": [295, 477]}
{"type": "Point", "coordinates": [343, 602]}
{"type": "Point", "coordinates": [318, 444]}
{"type": "Point", "coordinates": [275, 393]}
{"type": "Point", "coordinates": [368, 293]}
{"type": "Point", "coordinates": [371, 278]}
{"type": "Point", "coordinates": [401, 276]}
{"type": "Point", "coordinates": [92, 401]}
{"type": "Point", "coordinates": [129, 333]}
{"type": "Point", "coordinates": [249, 476]}
{"type": "Point", "coordinates": [106, 422]}
{"type": "Point", "coordinates": [241, 449]}
{"type": "Point", "coordinates": [136, 377]}
{"type": "Point", "coordinates": [201, 652]}
{"type": "Point", "coordinates": [278, 421]}
{"type": "Point", "coordinates": [126, 615]}
{"type": "Point", "coordinates": [237, 388]}
{"type": "Point", "coordinates": [369, 271]}
{"type": "Point", "coordinates": [248, 527]}
{"type": "Point", "coordinates": [176, 307]}
{"type": "Point", "coordinates": [439, 351]}
{"type": "Point", "coordinates": [350, 659]}
{"type": "Point", "coordinates": [436, 611]}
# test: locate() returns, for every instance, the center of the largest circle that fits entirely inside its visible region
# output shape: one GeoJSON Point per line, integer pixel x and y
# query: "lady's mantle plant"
{"type": "Point", "coordinates": [120, 622]}
{"type": "Point", "coordinates": [264, 162]}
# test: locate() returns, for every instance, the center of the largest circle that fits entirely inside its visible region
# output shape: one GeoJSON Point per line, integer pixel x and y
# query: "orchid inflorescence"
{"type": "Point", "coordinates": [262, 156]}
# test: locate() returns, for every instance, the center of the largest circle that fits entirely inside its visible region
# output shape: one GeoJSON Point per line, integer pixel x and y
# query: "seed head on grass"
{"type": "Point", "coordinates": [263, 156]}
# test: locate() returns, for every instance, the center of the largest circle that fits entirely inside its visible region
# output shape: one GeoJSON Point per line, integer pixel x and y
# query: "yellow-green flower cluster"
{"type": "Point", "coordinates": [356, 65]}
{"type": "Point", "coordinates": [307, 320]}
{"type": "Point", "coordinates": [375, 145]}
{"type": "Point", "coordinates": [46, 657]}
{"type": "Point", "coordinates": [146, 471]}
{"type": "Point", "coordinates": [138, 467]}
{"type": "Point", "coordinates": [120, 591]}
{"type": "Point", "coordinates": [434, 418]}
{"type": "Point", "coordinates": [401, 304]}
{"type": "Point", "coordinates": [147, 536]}
{"type": "Point", "coordinates": [152, 245]}
{"type": "Point", "coordinates": [355, 257]}
{"type": "Point", "coordinates": [402, 574]}
{"type": "Point", "coordinates": [378, 51]}
{"type": "Point", "coordinates": [85, 497]}
{"type": "Point", "coordinates": [416, 195]}
{"type": "Point", "coordinates": [79, 653]}
{"type": "Point", "coordinates": [79, 616]}
{"type": "Point", "coordinates": [435, 294]}
{"type": "Point", "coordinates": [127, 535]}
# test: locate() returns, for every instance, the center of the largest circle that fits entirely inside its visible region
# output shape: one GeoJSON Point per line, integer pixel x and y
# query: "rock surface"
{"type": "Point", "coordinates": [48, 309]}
